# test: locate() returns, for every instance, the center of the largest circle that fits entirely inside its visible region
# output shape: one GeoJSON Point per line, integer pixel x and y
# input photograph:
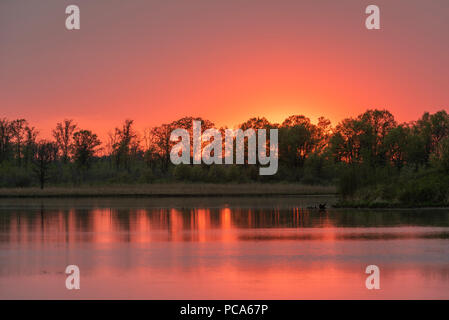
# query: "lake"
{"type": "Point", "coordinates": [219, 248]}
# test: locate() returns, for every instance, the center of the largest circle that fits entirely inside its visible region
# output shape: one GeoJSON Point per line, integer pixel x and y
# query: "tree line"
{"type": "Point", "coordinates": [368, 149]}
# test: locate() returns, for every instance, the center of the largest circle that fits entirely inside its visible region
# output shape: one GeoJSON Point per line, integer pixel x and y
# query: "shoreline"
{"type": "Point", "coordinates": [199, 190]}
{"type": "Point", "coordinates": [386, 205]}
{"type": "Point", "coordinates": [174, 190]}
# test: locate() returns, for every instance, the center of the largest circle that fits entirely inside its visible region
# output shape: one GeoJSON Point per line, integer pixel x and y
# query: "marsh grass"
{"type": "Point", "coordinates": [170, 190]}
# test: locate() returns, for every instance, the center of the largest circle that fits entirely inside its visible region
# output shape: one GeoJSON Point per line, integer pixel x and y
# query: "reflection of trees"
{"type": "Point", "coordinates": [42, 226]}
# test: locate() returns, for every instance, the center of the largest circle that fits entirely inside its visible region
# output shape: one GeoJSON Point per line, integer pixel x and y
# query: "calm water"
{"type": "Point", "coordinates": [221, 248]}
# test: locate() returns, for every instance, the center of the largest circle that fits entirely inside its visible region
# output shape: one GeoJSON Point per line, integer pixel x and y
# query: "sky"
{"type": "Point", "coordinates": [223, 60]}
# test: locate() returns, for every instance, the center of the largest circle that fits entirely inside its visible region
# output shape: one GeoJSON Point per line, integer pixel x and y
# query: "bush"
{"type": "Point", "coordinates": [233, 173]}
{"type": "Point", "coordinates": [182, 172]}
{"type": "Point", "coordinates": [147, 176]}
{"type": "Point", "coordinates": [216, 174]}
{"type": "Point", "coordinates": [15, 177]}
{"type": "Point", "coordinates": [429, 190]}
{"type": "Point", "coordinates": [197, 173]}
{"type": "Point", "coordinates": [348, 183]}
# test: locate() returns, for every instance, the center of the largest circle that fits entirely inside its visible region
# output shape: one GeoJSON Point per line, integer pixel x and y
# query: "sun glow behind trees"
{"type": "Point", "coordinates": [373, 138]}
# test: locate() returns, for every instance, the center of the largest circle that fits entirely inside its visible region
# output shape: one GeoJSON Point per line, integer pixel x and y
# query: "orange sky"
{"type": "Point", "coordinates": [227, 61]}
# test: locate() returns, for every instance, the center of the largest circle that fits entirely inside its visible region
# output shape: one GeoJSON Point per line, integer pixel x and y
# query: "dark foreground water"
{"type": "Point", "coordinates": [219, 248]}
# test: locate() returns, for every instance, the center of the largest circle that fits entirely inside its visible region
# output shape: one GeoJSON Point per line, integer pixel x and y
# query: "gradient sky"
{"type": "Point", "coordinates": [224, 60]}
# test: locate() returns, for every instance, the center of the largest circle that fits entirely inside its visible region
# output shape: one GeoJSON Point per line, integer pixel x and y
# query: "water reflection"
{"type": "Point", "coordinates": [220, 249]}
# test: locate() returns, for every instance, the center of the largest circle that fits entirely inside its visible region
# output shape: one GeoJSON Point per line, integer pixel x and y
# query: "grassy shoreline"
{"type": "Point", "coordinates": [170, 190]}
{"type": "Point", "coordinates": [196, 190]}
{"type": "Point", "coordinates": [357, 204]}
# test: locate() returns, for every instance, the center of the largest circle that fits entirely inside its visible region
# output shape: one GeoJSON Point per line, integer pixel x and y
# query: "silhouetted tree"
{"type": "Point", "coordinates": [5, 139]}
{"type": "Point", "coordinates": [125, 144]}
{"type": "Point", "coordinates": [18, 134]}
{"type": "Point", "coordinates": [254, 123]}
{"type": "Point", "coordinates": [298, 138]}
{"type": "Point", "coordinates": [395, 145]}
{"type": "Point", "coordinates": [85, 145]}
{"type": "Point", "coordinates": [322, 134]}
{"type": "Point", "coordinates": [364, 149]}
{"type": "Point", "coordinates": [433, 128]}
{"type": "Point", "coordinates": [63, 134]}
{"type": "Point", "coordinates": [376, 125]}
{"type": "Point", "coordinates": [444, 152]}
{"type": "Point", "coordinates": [337, 147]}
{"type": "Point", "coordinates": [30, 144]}
{"type": "Point", "coordinates": [44, 156]}
{"type": "Point", "coordinates": [187, 124]}
{"type": "Point", "coordinates": [160, 138]}
{"type": "Point", "coordinates": [362, 139]}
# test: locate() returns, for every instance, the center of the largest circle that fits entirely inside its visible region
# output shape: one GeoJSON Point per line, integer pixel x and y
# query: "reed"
{"type": "Point", "coordinates": [171, 190]}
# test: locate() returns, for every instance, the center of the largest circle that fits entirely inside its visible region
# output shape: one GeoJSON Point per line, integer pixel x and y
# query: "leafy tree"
{"type": "Point", "coordinates": [440, 129]}
{"type": "Point", "coordinates": [160, 143]}
{"type": "Point", "coordinates": [395, 145]}
{"type": "Point", "coordinates": [337, 147]}
{"type": "Point", "coordinates": [444, 151]}
{"type": "Point", "coordinates": [187, 124]}
{"type": "Point", "coordinates": [416, 154]}
{"type": "Point", "coordinates": [349, 141]}
{"type": "Point", "coordinates": [376, 125]}
{"type": "Point", "coordinates": [362, 139]}
{"type": "Point", "coordinates": [433, 128]}
{"type": "Point", "coordinates": [85, 145]}
{"type": "Point", "coordinates": [295, 144]}
{"type": "Point", "coordinates": [255, 123]}
{"type": "Point", "coordinates": [322, 134]}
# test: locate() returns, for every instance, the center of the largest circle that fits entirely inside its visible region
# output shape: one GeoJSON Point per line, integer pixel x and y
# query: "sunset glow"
{"type": "Point", "coordinates": [225, 156]}
{"type": "Point", "coordinates": [155, 62]}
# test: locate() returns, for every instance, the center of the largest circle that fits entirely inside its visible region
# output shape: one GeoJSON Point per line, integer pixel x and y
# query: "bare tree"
{"type": "Point", "coordinates": [30, 144]}
{"type": "Point", "coordinates": [160, 139]}
{"type": "Point", "coordinates": [44, 156]}
{"type": "Point", "coordinates": [125, 144]}
{"type": "Point", "coordinates": [18, 134]}
{"type": "Point", "coordinates": [5, 139]}
{"type": "Point", "coordinates": [63, 134]}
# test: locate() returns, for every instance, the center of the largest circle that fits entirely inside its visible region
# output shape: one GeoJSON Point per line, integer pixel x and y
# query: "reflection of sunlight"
{"type": "Point", "coordinates": [225, 215]}
{"type": "Point", "coordinates": [328, 225]}
{"type": "Point", "coordinates": [70, 230]}
{"type": "Point", "coordinates": [176, 225]}
{"type": "Point", "coordinates": [244, 253]}
{"type": "Point", "coordinates": [14, 232]}
{"type": "Point", "coordinates": [202, 223]}
{"type": "Point", "coordinates": [141, 227]}
{"type": "Point", "coordinates": [227, 232]}
{"type": "Point", "coordinates": [102, 225]}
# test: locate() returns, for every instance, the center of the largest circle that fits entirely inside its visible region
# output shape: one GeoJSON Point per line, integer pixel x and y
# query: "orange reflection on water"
{"type": "Point", "coordinates": [222, 253]}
